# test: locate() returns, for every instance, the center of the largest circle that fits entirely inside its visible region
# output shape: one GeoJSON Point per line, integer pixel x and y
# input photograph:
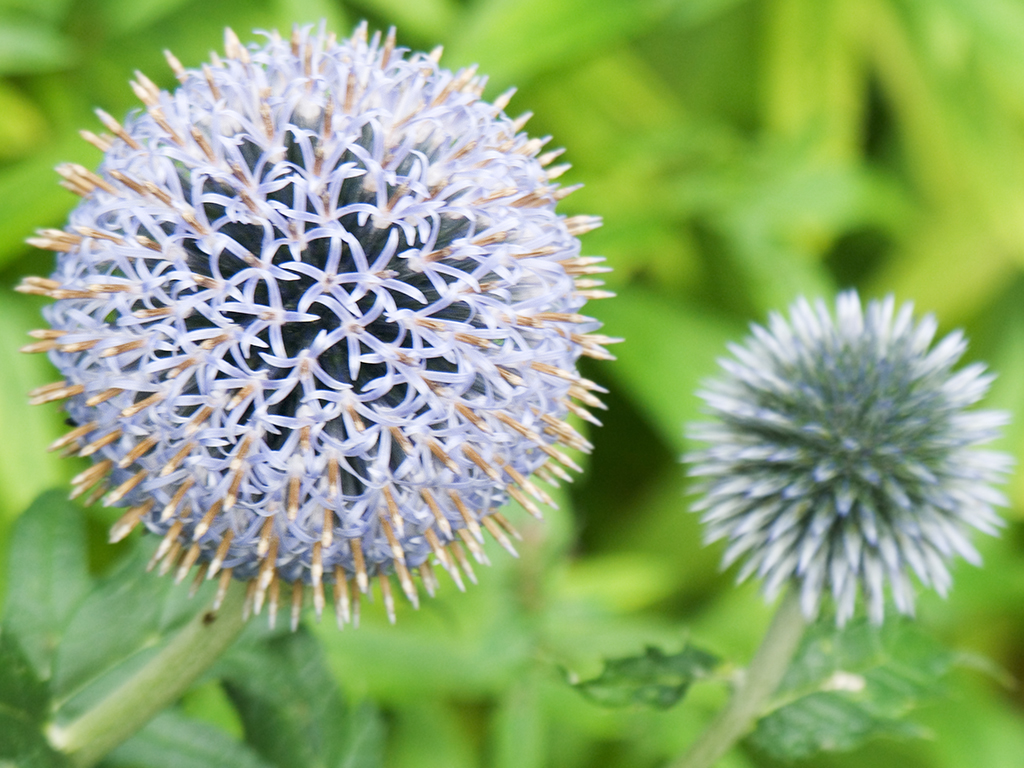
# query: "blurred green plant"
{"type": "Point", "coordinates": [741, 152]}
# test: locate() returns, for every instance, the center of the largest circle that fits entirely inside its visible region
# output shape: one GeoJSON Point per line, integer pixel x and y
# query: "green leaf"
{"type": "Point", "coordinates": [117, 628]}
{"type": "Point", "coordinates": [23, 710]}
{"type": "Point", "coordinates": [210, 703]}
{"type": "Point", "coordinates": [457, 644]}
{"type": "Point", "coordinates": [49, 576]}
{"type": "Point", "coordinates": [654, 679]}
{"type": "Point", "coordinates": [847, 686]}
{"type": "Point", "coordinates": [292, 710]}
{"type": "Point", "coordinates": [172, 740]}
{"type": "Point", "coordinates": [825, 722]}
{"type": "Point", "coordinates": [365, 741]}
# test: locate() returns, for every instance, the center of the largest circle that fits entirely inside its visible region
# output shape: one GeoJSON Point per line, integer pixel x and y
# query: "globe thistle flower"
{"type": "Point", "coordinates": [844, 457]}
{"type": "Point", "coordinates": [317, 318]}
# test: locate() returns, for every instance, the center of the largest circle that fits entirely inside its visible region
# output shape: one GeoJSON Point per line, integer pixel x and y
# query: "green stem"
{"type": "Point", "coordinates": [160, 682]}
{"type": "Point", "coordinates": [754, 690]}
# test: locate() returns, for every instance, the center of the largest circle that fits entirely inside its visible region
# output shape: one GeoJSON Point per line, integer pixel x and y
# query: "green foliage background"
{"type": "Point", "coordinates": [742, 152]}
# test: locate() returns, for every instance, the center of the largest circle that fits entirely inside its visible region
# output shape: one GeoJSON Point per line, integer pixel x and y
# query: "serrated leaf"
{"type": "Point", "coordinates": [847, 686]}
{"type": "Point", "coordinates": [49, 576]}
{"type": "Point", "coordinates": [172, 740]}
{"type": "Point", "coordinates": [292, 711]}
{"type": "Point", "coordinates": [23, 710]}
{"type": "Point", "coordinates": [655, 679]}
{"type": "Point", "coordinates": [825, 722]}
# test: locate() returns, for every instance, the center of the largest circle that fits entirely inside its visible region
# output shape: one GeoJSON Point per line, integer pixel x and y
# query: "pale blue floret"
{"type": "Point", "coordinates": [328, 300]}
{"type": "Point", "coordinates": [842, 456]}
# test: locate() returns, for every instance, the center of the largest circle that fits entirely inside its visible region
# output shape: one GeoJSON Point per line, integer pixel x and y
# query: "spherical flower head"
{"type": "Point", "coordinates": [317, 317]}
{"type": "Point", "coordinates": [843, 456]}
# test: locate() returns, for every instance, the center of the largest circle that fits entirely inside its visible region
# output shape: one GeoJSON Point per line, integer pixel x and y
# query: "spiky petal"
{"type": "Point", "coordinates": [843, 455]}
{"type": "Point", "coordinates": [316, 315]}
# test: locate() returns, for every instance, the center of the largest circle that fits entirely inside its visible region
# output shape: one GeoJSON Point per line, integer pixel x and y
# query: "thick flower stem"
{"type": "Point", "coordinates": [761, 680]}
{"type": "Point", "coordinates": [164, 679]}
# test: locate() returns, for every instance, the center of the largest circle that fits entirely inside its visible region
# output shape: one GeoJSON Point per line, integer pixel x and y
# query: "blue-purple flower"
{"type": "Point", "coordinates": [317, 318]}
{"type": "Point", "coordinates": [844, 457]}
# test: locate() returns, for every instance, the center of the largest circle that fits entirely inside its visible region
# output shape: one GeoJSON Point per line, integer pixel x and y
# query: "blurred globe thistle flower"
{"type": "Point", "coordinates": [844, 457]}
{"type": "Point", "coordinates": [317, 318]}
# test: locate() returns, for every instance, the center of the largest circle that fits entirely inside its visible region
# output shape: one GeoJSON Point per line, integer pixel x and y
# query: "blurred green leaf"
{"type": "Point", "coordinates": [468, 644]}
{"type": "Point", "coordinates": [622, 127]}
{"type": "Point", "coordinates": [365, 738]}
{"type": "Point", "coordinates": [26, 470]}
{"type": "Point", "coordinates": [210, 703]}
{"type": "Point", "coordinates": [172, 740]}
{"type": "Point", "coordinates": [51, 10]}
{"type": "Point", "coordinates": [23, 125]}
{"type": "Point", "coordinates": [414, 725]}
{"type": "Point", "coordinates": [29, 47]}
{"type": "Point", "coordinates": [514, 40]}
{"type": "Point", "coordinates": [670, 347]}
{"type": "Point", "coordinates": [23, 710]}
{"type": "Point", "coordinates": [957, 148]}
{"type": "Point", "coordinates": [825, 722]}
{"type": "Point", "coordinates": [292, 710]}
{"type": "Point", "coordinates": [290, 12]}
{"type": "Point", "coordinates": [849, 685]}
{"type": "Point", "coordinates": [621, 581]}
{"type": "Point", "coordinates": [117, 627]}
{"type": "Point", "coordinates": [520, 732]}
{"type": "Point", "coordinates": [1001, 340]}
{"type": "Point", "coordinates": [126, 15]}
{"type": "Point", "coordinates": [49, 576]}
{"type": "Point", "coordinates": [33, 199]}
{"type": "Point", "coordinates": [655, 679]}
{"type": "Point", "coordinates": [813, 82]}
{"type": "Point", "coordinates": [976, 726]}
{"type": "Point", "coordinates": [696, 12]}
{"type": "Point", "coordinates": [430, 20]}
{"type": "Point", "coordinates": [663, 539]}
